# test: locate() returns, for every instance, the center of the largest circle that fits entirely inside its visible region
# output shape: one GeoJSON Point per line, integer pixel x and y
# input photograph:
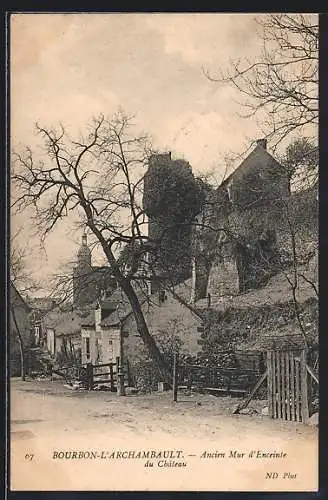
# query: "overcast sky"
{"type": "Point", "coordinates": [68, 67]}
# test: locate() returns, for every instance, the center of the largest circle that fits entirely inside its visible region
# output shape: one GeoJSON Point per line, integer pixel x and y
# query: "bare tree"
{"type": "Point", "coordinates": [19, 336]}
{"type": "Point", "coordinates": [301, 160]}
{"type": "Point", "coordinates": [98, 179]}
{"type": "Point", "coordinates": [281, 85]}
{"type": "Point", "coordinates": [20, 273]}
{"type": "Point", "coordinates": [20, 281]}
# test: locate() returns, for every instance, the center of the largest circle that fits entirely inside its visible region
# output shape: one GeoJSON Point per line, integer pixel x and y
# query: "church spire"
{"type": "Point", "coordinates": [84, 253]}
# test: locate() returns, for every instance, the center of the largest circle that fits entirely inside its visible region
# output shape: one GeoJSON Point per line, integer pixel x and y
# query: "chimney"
{"type": "Point", "coordinates": [262, 143]}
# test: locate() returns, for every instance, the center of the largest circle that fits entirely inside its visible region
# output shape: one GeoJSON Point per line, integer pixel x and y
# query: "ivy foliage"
{"type": "Point", "coordinates": [171, 191]}
{"type": "Point", "coordinates": [172, 198]}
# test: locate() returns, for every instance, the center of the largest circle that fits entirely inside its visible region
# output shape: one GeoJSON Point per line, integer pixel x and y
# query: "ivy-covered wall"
{"type": "Point", "coordinates": [171, 199]}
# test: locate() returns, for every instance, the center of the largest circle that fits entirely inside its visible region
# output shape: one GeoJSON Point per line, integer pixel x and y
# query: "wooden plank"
{"type": "Point", "coordinates": [236, 371]}
{"type": "Point", "coordinates": [270, 384]}
{"type": "Point", "coordinates": [89, 376]}
{"type": "Point", "coordinates": [244, 404]}
{"type": "Point", "coordinates": [102, 381]}
{"type": "Point", "coordinates": [241, 392]}
{"type": "Point", "coordinates": [313, 375]}
{"type": "Point", "coordinates": [175, 377]}
{"type": "Point", "coordinates": [287, 378]}
{"type": "Point", "coordinates": [274, 385]}
{"type": "Point", "coordinates": [292, 386]}
{"type": "Point", "coordinates": [212, 389]}
{"type": "Point", "coordinates": [101, 374]}
{"type": "Point", "coordinates": [104, 364]}
{"type": "Point", "coordinates": [297, 389]}
{"type": "Point", "coordinates": [304, 388]}
{"type": "Point", "coordinates": [278, 382]}
{"type": "Point", "coordinates": [111, 377]}
{"type": "Point", "coordinates": [283, 384]}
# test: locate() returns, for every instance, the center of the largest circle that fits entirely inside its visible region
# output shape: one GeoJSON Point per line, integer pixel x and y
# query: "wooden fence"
{"type": "Point", "coordinates": [289, 397]}
{"type": "Point", "coordinates": [292, 382]}
{"type": "Point", "coordinates": [98, 374]}
{"type": "Point", "coordinates": [219, 380]}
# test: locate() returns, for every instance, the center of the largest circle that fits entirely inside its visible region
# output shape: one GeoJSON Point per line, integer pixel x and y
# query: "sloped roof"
{"type": "Point", "coordinates": [111, 320]}
{"type": "Point", "coordinates": [108, 304]}
{"type": "Point", "coordinates": [115, 307]}
{"type": "Point", "coordinates": [122, 303]}
{"type": "Point", "coordinates": [124, 308]}
{"type": "Point", "coordinates": [257, 159]}
{"type": "Point", "coordinates": [42, 303]}
{"type": "Point", "coordinates": [16, 299]}
{"type": "Point", "coordinates": [88, 320]}
{"type": "Point", "coordinates": [64, 322]}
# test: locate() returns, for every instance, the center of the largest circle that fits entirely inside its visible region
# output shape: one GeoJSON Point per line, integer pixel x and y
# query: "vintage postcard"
{"type": "Point", "coordinates": [163, 294]}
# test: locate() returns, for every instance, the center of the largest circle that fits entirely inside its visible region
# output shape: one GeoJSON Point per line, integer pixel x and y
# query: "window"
{"type": "Point", "coordinates": [99, 351]}
{"type": "Point", "coordinates": [87, 348]}
{"type": "Point", "coordinates": [110, 350]}
{"type": "Point", "coordinates": [37, 335]}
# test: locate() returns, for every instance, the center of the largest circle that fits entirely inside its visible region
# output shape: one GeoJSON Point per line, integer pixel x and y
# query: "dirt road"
{"type": "Point", "coordinates": [52, 422]}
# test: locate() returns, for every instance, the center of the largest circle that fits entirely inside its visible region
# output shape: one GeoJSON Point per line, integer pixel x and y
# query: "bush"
{"type": "Point", "coordinates": [145, 376]}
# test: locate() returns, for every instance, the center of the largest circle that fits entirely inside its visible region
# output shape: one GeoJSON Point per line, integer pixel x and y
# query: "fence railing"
{"type": "Point", "coordinates": [219, 380]}
{"type": "Point", "coordinates": [95, 374]}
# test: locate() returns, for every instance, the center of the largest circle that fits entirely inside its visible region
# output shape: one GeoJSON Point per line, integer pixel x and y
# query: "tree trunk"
{"type": "Point", "coordinates": [142, 328]}
{"type": "Point", "coordinates": [130, 294]}
{"type": "Point", "coordinates": [21, 346]}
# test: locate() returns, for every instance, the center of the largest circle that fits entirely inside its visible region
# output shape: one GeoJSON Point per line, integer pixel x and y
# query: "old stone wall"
{"type": "Point", "coordinates": [258, 242]}
{"type": "Point", "coordinates": [165, 320]}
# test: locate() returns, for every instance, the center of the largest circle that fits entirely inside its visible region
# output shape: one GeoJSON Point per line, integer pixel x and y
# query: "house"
{"type": "Point", "coordinates": [100, 334]}
{"type": "Point", "coordinates": [244, 213]}
{"type": "Point", "coordinates": [63, 333]}
{"type": "Point", "coordinates": [112, 326]}
{"type": "Point", "coordinates": [39, 306]}
{"type": "Point", "coordinates": [171, 322]}
{"type": "Point", "coordinates": [20, 328]}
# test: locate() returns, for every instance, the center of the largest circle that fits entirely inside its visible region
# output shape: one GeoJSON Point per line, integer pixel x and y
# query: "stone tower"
{"type": "Point", "coordinates": [171, 199]}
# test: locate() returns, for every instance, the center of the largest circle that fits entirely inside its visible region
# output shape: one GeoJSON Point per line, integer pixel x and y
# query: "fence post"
{"type": "Point", "coordinates": [117, 368]}
{"type": "Point", "coordinates": [120, 377]}
{"type": "Point", "coordinates": [128, 372]}
{"type": "Point", "coordinates": [89, 370]}
{"type": "Point", "coordinates": [271, 396]}
{"type": "Point", "coordinates": [304, 389]}
{"type": "Point", "coordinates": [175, 376]}
{"type": "Point", "coordinates": [111, 377]}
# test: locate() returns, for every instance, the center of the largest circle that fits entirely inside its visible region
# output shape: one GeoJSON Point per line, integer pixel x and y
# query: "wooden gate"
{"type": "Point", "coordinates": [288, 385]}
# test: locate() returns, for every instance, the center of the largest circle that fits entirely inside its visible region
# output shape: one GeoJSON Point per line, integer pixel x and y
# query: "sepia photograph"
{"type": "Point", "coordinates": [163, 292]}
